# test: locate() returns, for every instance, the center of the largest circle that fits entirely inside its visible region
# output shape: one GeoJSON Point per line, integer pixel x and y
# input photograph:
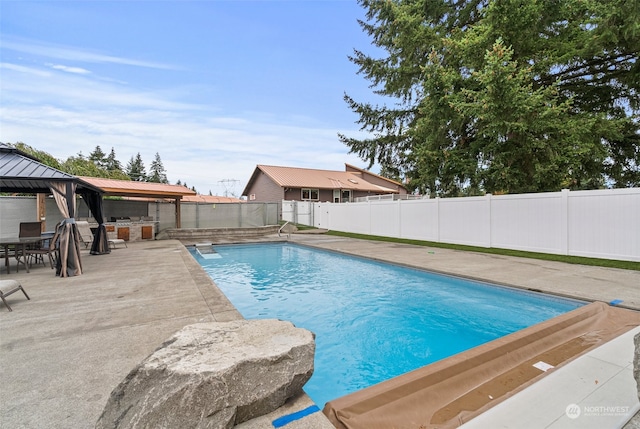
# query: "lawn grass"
{"type": "Point", "coordinates": [609, 263]}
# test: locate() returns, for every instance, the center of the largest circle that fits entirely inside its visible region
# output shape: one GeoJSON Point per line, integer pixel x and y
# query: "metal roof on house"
{"type": "Point", "coordinates": [138, 189]}
{"type": "Point", "coordinates": [349, 167]}
{"type": "Point", "coordinates": [21, 172]}
{"type": "Point", "coordinates": [291, 177]}
{"type": "Point", "coordinates": [210, 199]}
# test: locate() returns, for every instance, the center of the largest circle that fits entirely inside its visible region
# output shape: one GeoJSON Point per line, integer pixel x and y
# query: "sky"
{"type": "Point", "coordinates": [214, 87]}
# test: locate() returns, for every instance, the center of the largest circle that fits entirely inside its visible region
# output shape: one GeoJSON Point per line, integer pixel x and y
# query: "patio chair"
{"type": "Point", "coordinates": [30, 229]}
{"type": "Point", "coordinates": [84, 233]}
{"type": "Point", "coordinates": [86, 236]}
{"type": "Point", "coordinates": [7, 287]}
{"type": "Point", "coordinates": [114, 241]}
{"type": "Point", "coordinates": [27, 229]}
{"type": "Point", "coordinates": [50, 249]}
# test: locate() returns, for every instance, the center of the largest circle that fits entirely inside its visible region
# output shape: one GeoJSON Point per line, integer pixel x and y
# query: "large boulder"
{"type": "Point", "coordinates": [636, 362]}
{"type": "Point", "coordinates": [634, 422]}
{"type": "Point", "coordinates": [214, 375]}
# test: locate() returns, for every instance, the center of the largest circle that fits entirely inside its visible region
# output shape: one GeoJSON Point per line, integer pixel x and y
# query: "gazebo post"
{"type": "Point", "coordinates": [178, 213]}
{"type": "Point", "coordinates": [41, 210]}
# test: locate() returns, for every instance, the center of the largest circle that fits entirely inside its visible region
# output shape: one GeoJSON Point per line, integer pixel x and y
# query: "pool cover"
{"type": "Point", "coordinates": [452, 391]}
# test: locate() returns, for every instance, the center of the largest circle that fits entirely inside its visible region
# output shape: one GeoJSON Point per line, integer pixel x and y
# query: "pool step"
{"type": "Point", "coordinates": [207, 251]}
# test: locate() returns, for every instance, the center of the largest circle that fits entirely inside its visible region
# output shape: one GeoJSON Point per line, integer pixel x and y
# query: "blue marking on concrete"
{"type": "Point", "coordinates": [616, 302]}
{"type": "Point", "coordinates": [281, 421]}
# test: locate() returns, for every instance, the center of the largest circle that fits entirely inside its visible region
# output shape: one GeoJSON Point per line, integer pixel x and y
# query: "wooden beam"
{"type": "Point", "coordinates": [178, 213]}
{"type": "Point", "coordinates": [41, 209]}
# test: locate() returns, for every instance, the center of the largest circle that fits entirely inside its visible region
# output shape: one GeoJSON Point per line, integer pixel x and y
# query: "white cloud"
{"type": "Point", "coordinates": [24, 69]}
{"type": "Point", "coordinates": [79, 91]}
{"type": "Point", "coordinates": [68, 69]}
{"type": "Point", "coordinates": [62, 52]}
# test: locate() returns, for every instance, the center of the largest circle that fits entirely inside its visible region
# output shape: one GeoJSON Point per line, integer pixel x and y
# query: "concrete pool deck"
{"type": "Point", "coordinates": [65, 350]}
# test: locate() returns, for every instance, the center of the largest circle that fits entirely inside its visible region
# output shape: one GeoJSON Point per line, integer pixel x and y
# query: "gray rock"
{"type": "Point", "coordinates": [213, 375]}
{"type": "Point", "coordinates": [636, 362]}
{"type": "Point", "coordinates": [634, 423]}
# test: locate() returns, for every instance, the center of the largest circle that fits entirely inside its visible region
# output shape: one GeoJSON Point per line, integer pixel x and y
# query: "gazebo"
{"type": "Point", "coordinates": [22, 173]}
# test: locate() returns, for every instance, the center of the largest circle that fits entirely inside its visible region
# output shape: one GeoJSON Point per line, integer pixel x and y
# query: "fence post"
{"type": "Point", "coordinates": [370, 217]}
{"type": "Point", "coordinates": [489, 232]}
{"type": "Point", "coordinates": [312, 214]}
{"type": "Point", "coordinates": [564, 222]}
{"type": "Point", "coordinates": [437, 219]}
{"type": "Point", "coordinates": [399, 219]}
{"type": "Point", "coordinates": [265, 207]}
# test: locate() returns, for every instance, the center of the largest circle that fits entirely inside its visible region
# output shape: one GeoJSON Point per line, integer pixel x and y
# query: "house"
{"type": "Point", "coordinates": [273, 184]}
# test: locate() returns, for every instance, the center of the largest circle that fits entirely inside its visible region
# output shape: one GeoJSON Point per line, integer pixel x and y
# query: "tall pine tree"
{"type": "Point", "coordinates": [135, 169]}
{"type": "Point", "coordinates": [157, 172]}
{"type": "Point", "coordinates": [502, 95]}
{"type": "Point", "coordinates": [112, 163]}
{"type": "Point", "coordinates": [99, 158]}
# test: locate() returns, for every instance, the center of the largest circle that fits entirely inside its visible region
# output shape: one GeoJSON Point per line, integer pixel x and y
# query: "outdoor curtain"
{"type": "Point", "coordinates": [100, 244]}
{"type": "Point", "coordinates": [69, 263]}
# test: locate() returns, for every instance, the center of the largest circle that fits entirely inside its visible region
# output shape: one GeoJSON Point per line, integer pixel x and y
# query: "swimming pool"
{"type": "Point", "coordinates": [372, 320]}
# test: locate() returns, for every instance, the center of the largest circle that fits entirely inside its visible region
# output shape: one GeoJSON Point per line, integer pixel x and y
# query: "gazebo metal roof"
{"type": "Point", "coordinates": [20, 172]}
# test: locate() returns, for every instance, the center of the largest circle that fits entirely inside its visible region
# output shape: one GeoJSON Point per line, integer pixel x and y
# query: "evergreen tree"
{"type": "Point", "coordinates": [502, 95]}
{"type": "Point", "coordinates": [99, 158]}
{"type": "Point", "coordinates": [157, 172]}
{"type": "Point", "coordinates": [114, 167]}
{"type": "Point", "coordinates": [135, 169]}
{"type": "Point", "coordinates": [112, 163]}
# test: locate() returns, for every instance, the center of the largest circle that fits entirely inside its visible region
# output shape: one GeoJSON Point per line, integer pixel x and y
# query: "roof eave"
{"type": "Point", "coordinates": [123, 193]}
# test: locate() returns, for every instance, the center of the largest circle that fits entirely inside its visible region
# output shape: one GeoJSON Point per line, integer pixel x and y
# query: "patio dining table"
{"type": "Point", "coordinates": [20, 245]}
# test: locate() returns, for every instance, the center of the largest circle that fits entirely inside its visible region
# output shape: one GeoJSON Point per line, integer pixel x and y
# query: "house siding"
{"type": "Point", "coordinates": [324, 195]}
{"type": "Point", "coordinates": [266, 190]}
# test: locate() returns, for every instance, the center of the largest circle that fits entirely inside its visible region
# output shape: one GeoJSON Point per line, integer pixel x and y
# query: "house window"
{"type": "Point", "coordinates": [346, 196]}
{"type": "Point", "coordinates": [309, 194]}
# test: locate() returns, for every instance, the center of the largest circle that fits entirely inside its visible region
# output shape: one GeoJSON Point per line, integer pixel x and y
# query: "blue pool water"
{"type": "Point", "coordinates": [372, 320]}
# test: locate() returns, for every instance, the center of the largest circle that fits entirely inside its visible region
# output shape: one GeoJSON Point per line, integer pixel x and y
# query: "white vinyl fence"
{"type": "Point", "coordinates": [599, 224]}
{"type": "Point", "coordinates": [298, 211]}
